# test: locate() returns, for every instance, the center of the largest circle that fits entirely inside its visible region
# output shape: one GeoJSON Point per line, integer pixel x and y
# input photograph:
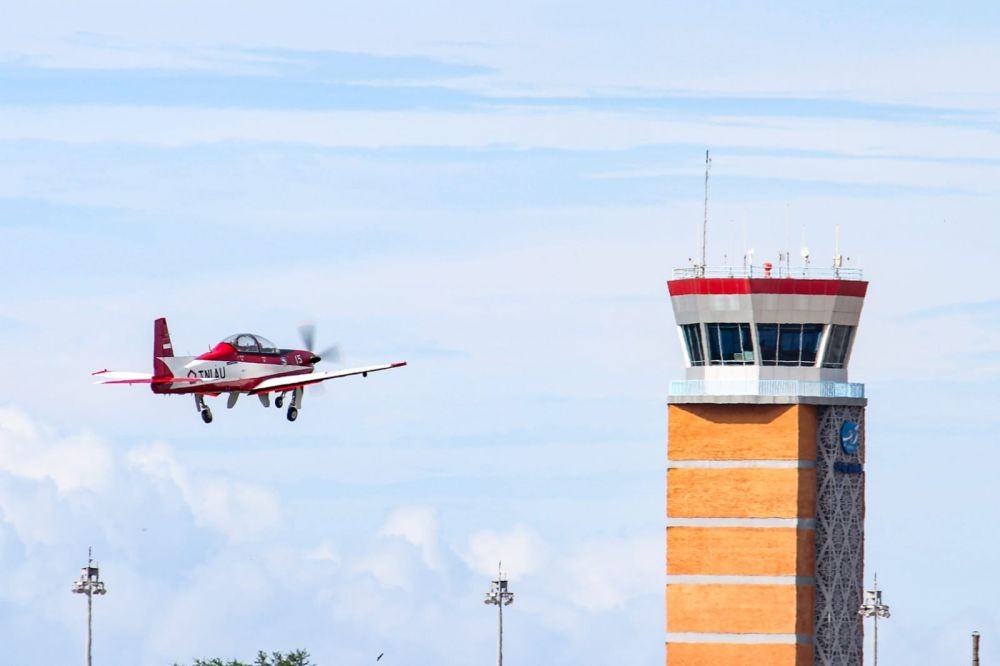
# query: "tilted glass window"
{"type": "Point", "coordinates": [692, 338]}
{"type": "Point", "coordinates": [789, 344]}
{"type": "Point", "coordinates": [811, 334]}
{"type": "Point", "coordinates": [767, 336]}
{"type": "Point", "coordinates": [729, 344]}
{"type": "Point", "coordinates": [836, 348]}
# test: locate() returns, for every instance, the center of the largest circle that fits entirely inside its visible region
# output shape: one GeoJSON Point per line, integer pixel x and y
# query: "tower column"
{"type": "Point", "coordinates": [765, 484]}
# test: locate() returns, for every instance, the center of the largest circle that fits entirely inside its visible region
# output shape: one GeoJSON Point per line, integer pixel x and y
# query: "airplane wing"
{"type": "Point", "coordinates": [121, 377]}
{"type": "Point", "coordinates": [294, 381]}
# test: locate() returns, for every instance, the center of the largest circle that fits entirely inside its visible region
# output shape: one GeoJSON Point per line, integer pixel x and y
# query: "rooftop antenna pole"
{"type": "Point", "coordinates": [499, 596]}
{"type": "Point", "coordinates": [788, 238]}
{"type": "Point", "coordinates": [90, 584]}
{"type": "Point", "coordinates": [804, 252]}
{"type": "Point", "coordinates": [838, 260]}
{"type": "Point", "coordinates": [704, 225]}
{"type": "Point", "coordinates": [975, 648]}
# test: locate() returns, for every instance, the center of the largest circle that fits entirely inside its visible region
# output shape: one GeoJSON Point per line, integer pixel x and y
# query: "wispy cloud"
{"type": "Point", "coordinates": [281, 78]}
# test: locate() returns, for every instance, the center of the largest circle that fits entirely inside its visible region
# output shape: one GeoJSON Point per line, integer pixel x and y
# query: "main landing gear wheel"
{"type": "Point", "coordinates": [292, 413]}
{"type": "Point", "coordinates": [206, 415]}
{"type": "Point", "coordinates": [279, 401]}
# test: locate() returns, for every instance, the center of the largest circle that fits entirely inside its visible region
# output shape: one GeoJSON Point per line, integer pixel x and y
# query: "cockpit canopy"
{"type": "Point", "coordinates": [249, 343]}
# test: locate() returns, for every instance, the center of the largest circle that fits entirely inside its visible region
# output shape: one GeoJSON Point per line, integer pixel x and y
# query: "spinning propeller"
{"type": "Point", "coordinates": [330, 354]}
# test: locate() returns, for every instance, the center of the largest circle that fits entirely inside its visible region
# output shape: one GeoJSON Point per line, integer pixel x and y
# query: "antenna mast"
{"type": "Point", "coordinates": [704, 225]}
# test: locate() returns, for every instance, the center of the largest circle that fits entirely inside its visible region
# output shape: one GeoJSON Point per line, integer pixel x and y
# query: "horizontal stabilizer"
{"type": "Point", "coordinates": [122, 377]}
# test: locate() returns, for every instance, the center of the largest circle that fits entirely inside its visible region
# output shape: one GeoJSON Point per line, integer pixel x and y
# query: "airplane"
{"type": "Point", "coordinates": [244, 363]}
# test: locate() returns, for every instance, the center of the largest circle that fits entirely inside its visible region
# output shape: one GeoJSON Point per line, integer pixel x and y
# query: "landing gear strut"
{"type": "Point", "coordinates": [206, 413]}
{"type": "Point", "coordinates": [293, 409]}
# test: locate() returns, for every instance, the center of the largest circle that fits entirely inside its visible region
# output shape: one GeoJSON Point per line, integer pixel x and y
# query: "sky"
{"type": "Point", "coordinates": [495, 194]}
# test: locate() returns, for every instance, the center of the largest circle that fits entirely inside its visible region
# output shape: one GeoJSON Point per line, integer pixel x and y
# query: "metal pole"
{"type": "Point", "coordinates": [90, 584]}
{"type": "Point", "coordinates": [975, 648]}
{"type": "Point", "coordinates": [90, 602]}
{"type": "Point", "coordinates": [501, 596]}
{"type": "Point", "coordinates": [704, 226]}
{"type": "Point", "coordinates": [876, 640]}
{"type": "Point", "coordinates": [500, 635]}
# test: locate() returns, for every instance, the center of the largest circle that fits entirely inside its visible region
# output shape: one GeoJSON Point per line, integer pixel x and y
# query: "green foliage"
{"type": "Point", "coordinates": [296, 658]}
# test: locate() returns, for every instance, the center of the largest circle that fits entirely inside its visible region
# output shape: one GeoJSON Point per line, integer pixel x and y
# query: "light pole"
{"type": "Point", "coordinates": [90, 584]}
{"type": "Point", "coordinates": [500, 597]}
{"type": "Point", "coordinates": [874, 608]}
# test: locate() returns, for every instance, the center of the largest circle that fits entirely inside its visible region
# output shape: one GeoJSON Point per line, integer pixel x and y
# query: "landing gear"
{"type": "Point", "coordinates": [206, 413]}
{"type": "Point", "coordinates": [279, 401]}
{"type": "Point", "coordinates": [293, 409]}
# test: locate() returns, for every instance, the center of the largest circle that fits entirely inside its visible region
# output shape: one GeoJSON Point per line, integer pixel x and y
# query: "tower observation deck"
{"type": "Point", "coordinates": [765, 478]}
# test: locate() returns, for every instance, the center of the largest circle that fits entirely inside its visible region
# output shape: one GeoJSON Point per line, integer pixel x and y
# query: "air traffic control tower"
{"type": "Point", "coordinates": [765, 478]}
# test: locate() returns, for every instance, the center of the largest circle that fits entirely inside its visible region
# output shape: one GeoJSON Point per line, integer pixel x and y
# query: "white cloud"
{"type": "Point", "coordinates": [77, 462]}
{"type": "Point", "coordinates": [239, 510]}
{"type": "Point", "coordinates": [390, 566]}
{"type": "Point", "coordinates": [325, 551]}
{"type": "Point", "coordinates": [609, 573]}
{"type": "Point", "coordinates": [419, 526]}
{"type": "Point", "coordinates": [520, 551]}
{"type": "Point", "coordinates": [571, 129]}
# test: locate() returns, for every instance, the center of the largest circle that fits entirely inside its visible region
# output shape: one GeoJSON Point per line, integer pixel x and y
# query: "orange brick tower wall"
{"type": "Point", "coordinates": [743, 479]}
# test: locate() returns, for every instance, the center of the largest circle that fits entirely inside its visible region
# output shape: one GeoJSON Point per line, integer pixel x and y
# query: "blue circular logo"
{"type": "Point", "coordinates": [850, 437]}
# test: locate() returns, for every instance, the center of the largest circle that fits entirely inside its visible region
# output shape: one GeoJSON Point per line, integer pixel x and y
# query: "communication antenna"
{"type": "Point", "coordinates": [704, 224]}
{"type": "Point", "coordinates": [838, 260]}
{"type": "Point", "coordinates": [788, 238]}
{"type": "Point", "coordinates": [804, 252]}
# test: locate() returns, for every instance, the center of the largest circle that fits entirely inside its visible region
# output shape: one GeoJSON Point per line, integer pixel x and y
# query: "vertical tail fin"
{"type": "Point", "coordinates": [161, 347]}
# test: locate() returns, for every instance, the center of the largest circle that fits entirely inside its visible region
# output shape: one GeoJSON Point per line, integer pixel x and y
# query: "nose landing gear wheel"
{"type": "Point", "coordinates": [279, 401]}
{"type": "Point", "coordinates": [206, 415]}
{"type": "Point", "coordinates": [292, 413]}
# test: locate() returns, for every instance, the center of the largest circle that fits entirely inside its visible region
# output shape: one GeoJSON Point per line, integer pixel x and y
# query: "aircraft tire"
{"type": "Point", "coordinates": [279, 401]}
{"type": "Point", "coordinates": [206, 415]}
{"type": "Point", "coordinates": [292, 413]}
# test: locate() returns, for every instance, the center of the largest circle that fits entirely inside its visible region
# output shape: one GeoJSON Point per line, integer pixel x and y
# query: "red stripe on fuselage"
{"type": "Point", "coordinates": [227, 352]}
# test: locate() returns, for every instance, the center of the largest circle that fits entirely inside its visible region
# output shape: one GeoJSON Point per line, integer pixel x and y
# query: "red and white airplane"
{"type": "Point", "coordinates": [242, 363]}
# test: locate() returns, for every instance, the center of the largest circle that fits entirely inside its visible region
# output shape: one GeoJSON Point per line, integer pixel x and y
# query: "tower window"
{"type": "Point", "coordinates": [789, 344]}
{"type": "Point", "coordinates": [692, 338]}
{"type": "Point", "coordinates": [836, 348]}
{"type": "Point", "coordinates": [729, 344]}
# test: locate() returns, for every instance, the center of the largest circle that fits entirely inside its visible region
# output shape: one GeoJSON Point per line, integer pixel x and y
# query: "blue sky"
{"type": "Point", "coordinates": [497, 195]}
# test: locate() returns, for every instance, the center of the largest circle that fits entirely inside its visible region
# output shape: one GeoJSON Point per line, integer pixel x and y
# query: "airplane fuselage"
{"type": "Point", "coordinates": [223, 371]}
